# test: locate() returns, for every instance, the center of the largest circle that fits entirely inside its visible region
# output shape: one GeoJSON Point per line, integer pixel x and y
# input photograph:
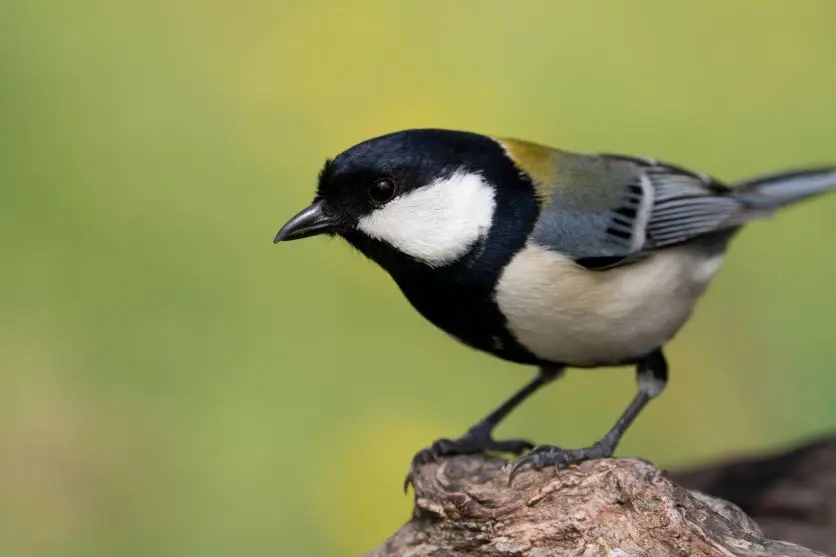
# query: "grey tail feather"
{"type": "Point", "coordinates": [774, 191]}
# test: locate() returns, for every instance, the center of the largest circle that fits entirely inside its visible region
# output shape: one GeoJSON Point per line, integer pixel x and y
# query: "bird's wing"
{"type": "Point", "coordinates": [606, 210]}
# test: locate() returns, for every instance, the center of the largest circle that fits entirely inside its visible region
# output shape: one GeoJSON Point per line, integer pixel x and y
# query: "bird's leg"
{"type": "Point", "coordinates": [479, 438]}
{"type": "Point", "coordinates": [652, 375]}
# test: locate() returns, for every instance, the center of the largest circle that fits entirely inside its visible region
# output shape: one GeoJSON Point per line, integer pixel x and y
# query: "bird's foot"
{"type": "Point", "coordinates": [477, 440]}
{"type": "Point", "coordinates": [548, 455]}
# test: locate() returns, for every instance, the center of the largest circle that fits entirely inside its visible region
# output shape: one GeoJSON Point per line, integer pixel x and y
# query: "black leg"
{"type": "Point", "coordinates": [479, 438]}
{"type": "Point", "coordinates": [652, 375]}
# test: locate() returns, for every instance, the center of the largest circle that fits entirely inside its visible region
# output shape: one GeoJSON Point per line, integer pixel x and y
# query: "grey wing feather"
{"type": "Point", "coordinates": [686, 205]}
{"type": "Point", "coordinates": [645, 205]}
{"type": "Point", "coordinates": [581, 233]}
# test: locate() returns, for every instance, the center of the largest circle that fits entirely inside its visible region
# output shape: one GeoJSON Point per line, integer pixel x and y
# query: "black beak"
{"type": "Point", "coordinates": [310, 221]}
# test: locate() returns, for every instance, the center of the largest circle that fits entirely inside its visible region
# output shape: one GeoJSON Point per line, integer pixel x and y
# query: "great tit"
{"type": "Point", "coordinates": [541, 256]}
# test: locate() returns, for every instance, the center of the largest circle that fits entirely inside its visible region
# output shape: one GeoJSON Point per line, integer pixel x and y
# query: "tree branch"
{"type": "Point", "coordinates": [621, 507]}
{"type": "Point", "coordinates": [791, 495]}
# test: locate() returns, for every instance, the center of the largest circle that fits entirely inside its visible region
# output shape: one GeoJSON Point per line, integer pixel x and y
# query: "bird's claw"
{"type": "Point", "coordinates": [542, 456]}
{"type": "Point", "coordinates": [475, 441]}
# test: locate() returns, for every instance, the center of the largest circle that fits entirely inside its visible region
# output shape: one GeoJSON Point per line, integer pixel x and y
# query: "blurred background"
{"type": "Point", "coordinates": [172, 383]}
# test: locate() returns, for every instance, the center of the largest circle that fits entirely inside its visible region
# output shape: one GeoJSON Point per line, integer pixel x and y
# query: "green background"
{"type": "Point", "coordinates": [171, 383]}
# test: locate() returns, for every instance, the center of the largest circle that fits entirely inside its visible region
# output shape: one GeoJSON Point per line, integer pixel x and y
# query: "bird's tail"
{"type": "Point", "coordinates": [775, 191]}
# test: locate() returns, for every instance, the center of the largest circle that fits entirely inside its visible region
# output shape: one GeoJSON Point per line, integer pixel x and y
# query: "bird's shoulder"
{"type": "Point", "coordinates": [553, 170]}
{"type": "Point", "coordinates": [607, 209]}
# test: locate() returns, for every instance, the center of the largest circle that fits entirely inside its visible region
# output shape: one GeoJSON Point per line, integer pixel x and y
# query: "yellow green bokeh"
{"type": "Point", "coordinates": [173, 384]}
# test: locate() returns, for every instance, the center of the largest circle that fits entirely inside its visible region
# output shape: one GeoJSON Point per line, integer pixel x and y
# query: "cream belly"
{"type": "Point", "coordinates": [564, 313]}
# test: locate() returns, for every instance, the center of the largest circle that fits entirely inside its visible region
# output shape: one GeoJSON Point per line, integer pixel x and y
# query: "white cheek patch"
{"type": "Point", "coordinates": [435, 224]}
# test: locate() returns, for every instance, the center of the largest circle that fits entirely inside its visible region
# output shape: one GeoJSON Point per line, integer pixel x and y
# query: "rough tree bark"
{"type": "Point", "coordinates": [624, 507]}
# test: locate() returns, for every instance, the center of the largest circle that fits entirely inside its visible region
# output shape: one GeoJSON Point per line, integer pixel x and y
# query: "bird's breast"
{"type": "Point", "coordinates": [563, 313]}
{"type": "Point", "coordinates": [466, 310]}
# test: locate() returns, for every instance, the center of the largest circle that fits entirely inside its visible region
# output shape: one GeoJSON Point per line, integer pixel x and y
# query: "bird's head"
{"type": "Point", "coordinates": [424, 196]}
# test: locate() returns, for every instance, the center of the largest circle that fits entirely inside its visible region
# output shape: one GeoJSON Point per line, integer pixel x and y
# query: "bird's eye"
{"type": "Point", "coordinates": [382, 191]}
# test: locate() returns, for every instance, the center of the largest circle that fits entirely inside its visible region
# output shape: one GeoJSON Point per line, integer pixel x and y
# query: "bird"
{"type": "Point", "coordinates": [540, 256]}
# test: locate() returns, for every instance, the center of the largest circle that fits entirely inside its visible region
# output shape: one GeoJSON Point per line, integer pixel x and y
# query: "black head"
{"type": "Point", "coordinates": [425, 195]}
{"type": "Point", "coordinates": [404, 160]}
